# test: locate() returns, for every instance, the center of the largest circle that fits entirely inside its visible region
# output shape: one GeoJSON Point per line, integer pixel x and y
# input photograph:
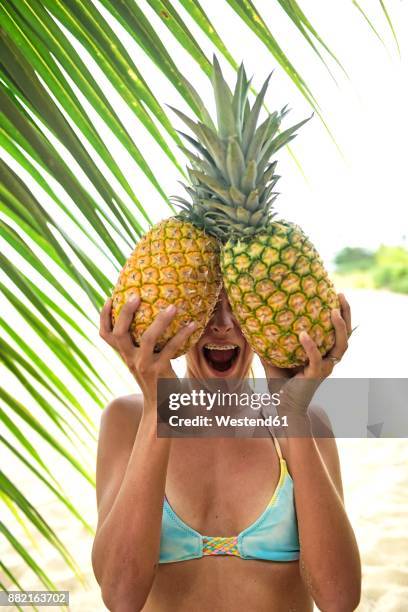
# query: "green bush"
{"type": "Point", "coordinates": [391, 269]}
{"type": "Point", "coordinates": [386, 268]}
{"type": "Point", "coordinates": [351, 259]}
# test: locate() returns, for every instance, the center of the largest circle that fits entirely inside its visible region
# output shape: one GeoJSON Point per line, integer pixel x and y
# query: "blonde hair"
{"type": "Point", "coordinates": [250, 373]}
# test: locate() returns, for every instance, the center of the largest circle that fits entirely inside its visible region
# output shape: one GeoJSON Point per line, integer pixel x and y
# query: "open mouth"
{"type": "Point", "coordinates": [221, 357]}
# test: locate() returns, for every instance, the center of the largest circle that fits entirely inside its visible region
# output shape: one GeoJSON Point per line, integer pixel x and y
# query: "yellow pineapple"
{"type": "Point", "coordinates": [277, 287]}
{"type": "Point", "coordinates": [174, 263]}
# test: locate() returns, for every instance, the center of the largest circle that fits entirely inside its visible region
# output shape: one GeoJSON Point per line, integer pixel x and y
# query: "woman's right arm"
{"type": "Point", "coordinates": [127, 541]}
{"type": "Point", "coordinates": [131, 470]}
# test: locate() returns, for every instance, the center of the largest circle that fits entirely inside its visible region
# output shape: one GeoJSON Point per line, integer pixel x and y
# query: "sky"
{"type": "Point", "coordinates": [358, 197]}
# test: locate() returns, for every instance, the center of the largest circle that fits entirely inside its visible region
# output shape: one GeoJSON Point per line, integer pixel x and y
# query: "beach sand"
{"type": "Point", "coordinates": [375, 477]}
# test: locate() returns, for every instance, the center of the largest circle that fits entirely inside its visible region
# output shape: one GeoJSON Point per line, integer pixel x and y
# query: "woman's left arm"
{"type": "Point", "coordinates": [329, 559]}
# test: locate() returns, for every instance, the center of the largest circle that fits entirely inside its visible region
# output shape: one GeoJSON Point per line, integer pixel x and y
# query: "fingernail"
{"type": "Point", "coordinates": [336, 312]}
{"type": "Point", "coordinates": [170, 309]}
{"type": "Point", "coordinates": [133, 298]}
{"type": "Point", "coordinates": [191, 325]}
{"type": "Point", "coordinates": [303, 335]}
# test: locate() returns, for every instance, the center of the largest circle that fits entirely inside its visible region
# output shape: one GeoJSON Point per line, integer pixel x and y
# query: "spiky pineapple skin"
{"type": "Point", "coordinates": [174, 263]}
{"type": "Point", "coordinates": [277, 286]}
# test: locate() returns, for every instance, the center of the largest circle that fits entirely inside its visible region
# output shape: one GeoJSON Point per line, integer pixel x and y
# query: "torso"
{"type": "Point", "coordinates": [219, 486]}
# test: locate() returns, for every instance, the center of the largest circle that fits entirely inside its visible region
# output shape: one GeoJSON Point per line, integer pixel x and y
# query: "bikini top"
{"type": "Point", "coordinates": [273, 536]}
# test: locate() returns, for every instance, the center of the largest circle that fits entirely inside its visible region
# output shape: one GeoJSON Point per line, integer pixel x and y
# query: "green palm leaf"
{"type": "Point", "coordinates": [390, 24]}
{"type": "Point", "coordinates": [27, 558]}
{"type": "Point", "coordinates": [20, 204]}
{"type": "Point", "coordinates": [50, 381]}
{"type": "Point", "coordinates": [371, 25]}
{"type": "Point", "coordinates": [58, 347]}
{"type": "Point", "coordinates": [195, 10]}
{"type": "Point", "coordinates": [20, 500]}
{"type": "Point", "coordinates": [21, 411]}
{"type": "Point", "coordinates": [48, 484]}
{"type": "Point", "coordinates": [55, 165]}
{"type": "Point", "coordinates": [21, 246]}
{"type": "Point", "coordinates": [302, 23]}
{"type": "Point", "coordinates": [34, 54]}
{"type": "Point", "coordinates": [181, 32]}
{"type": "Point", "coordinates": [13, 580]}
{"type": "Point", "coordinates": [31, 292]}
{"type": "Point", "coordinates": [248, 13]}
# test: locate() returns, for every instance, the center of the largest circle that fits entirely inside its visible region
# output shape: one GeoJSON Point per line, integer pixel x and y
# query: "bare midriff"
{"type": "Point", "coordinates": [224, 584]}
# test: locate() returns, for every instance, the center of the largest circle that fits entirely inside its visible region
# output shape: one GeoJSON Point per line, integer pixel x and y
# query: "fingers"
{"type": "Point", "coordinates": [105, 321]}
{"type": "Point", "coordinates": [173, 345]}
{"type": "Point", "coordinates": [314, 367]}
{"type": "Point", "coordinates": [345, 312]}
{"type": "Point", "coordinates": [340, 329]}
{"type": "Point", "coordinates": [155, 330]}
{"type": "Point", "coordinates": [126, 316]}
{"type": "Point", "coordinates": [120, 333]}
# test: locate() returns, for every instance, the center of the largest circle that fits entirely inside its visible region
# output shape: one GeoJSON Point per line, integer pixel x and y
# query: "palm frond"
{"type": "Point", "coordinates": [388, 18]}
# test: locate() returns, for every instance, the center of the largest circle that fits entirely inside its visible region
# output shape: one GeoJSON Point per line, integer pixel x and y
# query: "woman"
{"type": "Point", "coordinates": [159, 496]}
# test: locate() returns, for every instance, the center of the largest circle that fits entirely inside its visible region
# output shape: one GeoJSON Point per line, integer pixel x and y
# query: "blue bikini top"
{"type": "Point", "coordinates": [272, 537]}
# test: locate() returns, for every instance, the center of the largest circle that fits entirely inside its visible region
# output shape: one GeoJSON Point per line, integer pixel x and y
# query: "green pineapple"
{"type": "Point", "coordinates": [275, 280]}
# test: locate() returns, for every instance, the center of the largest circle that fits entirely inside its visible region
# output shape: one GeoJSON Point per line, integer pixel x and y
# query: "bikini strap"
{"type": "Point", "coordinates": [274, 438]}
{"type": "Point", "coordinates": [277, 446]}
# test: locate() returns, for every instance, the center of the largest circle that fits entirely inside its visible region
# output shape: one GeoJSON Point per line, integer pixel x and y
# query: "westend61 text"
{"type": "Point", "coordinates": [228, 421]}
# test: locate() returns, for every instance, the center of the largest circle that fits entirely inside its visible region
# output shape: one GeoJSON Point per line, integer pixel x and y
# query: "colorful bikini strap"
{"type": "Point", "coordinates": [220, 546]}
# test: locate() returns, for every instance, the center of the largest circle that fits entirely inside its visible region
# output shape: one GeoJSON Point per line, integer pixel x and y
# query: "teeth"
{"type": "Point", "coordinates": [220, 347]}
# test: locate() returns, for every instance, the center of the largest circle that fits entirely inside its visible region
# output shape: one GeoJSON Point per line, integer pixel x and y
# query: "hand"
{"type": "Point", "coordinates": [302, 382]}
{"type": "Point", "coordinates": [145, 365]}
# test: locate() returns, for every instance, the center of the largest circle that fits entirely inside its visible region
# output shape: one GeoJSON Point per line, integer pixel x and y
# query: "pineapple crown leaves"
{"type": "Point", "coordinates": [231, 175]}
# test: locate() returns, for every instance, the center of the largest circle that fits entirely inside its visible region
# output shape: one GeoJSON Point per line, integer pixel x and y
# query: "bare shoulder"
{"type": "Point", "coordinates": [119, 423]}
{"type": "Point", "coordinates": [319, 419]}
{"type": "Point", "coordinates": [122, 414]}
